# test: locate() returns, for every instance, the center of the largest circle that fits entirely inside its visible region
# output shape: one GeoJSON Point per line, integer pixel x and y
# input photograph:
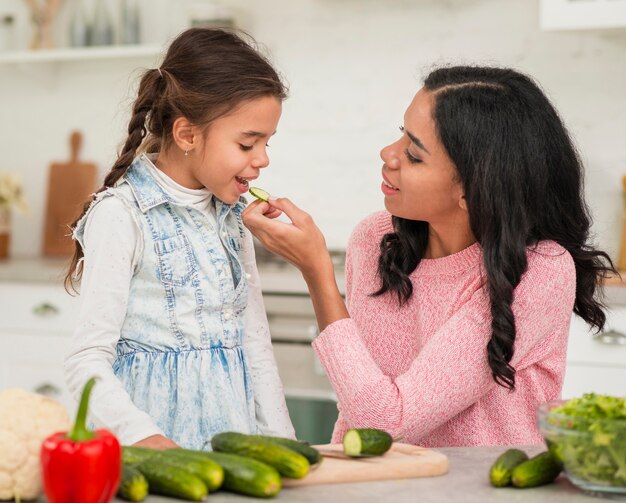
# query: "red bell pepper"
{"type": "Point", "coordinates": [81, 466]}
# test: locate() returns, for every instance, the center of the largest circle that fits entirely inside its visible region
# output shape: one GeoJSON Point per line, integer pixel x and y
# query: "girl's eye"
{"type": "Point", "coordinates": [412, 159]}
{"type": "Point", "coordinates": [245, 148]}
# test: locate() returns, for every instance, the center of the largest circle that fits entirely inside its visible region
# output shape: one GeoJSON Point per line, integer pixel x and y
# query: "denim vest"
{"type": "Point", "coordinates": [180, 354]}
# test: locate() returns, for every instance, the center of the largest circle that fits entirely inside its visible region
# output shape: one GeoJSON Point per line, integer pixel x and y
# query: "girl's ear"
{"type": "Point", "coordinates": [184, 134]}
{"type": "Point", "coordinates": [463, 203]}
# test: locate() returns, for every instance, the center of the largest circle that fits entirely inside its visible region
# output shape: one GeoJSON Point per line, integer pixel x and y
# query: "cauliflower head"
{"type": "Point", "coordinates": [26, 419]}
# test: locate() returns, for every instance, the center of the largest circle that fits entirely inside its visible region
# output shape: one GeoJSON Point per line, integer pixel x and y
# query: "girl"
{"type": "Point", "coordinates": [460, 294]}
{"type": "Point", "coordinates": [172, 319]}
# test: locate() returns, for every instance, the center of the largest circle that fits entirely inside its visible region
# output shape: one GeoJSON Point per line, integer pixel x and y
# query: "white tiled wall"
{"type": "Point", "coordinates": [352, 66]}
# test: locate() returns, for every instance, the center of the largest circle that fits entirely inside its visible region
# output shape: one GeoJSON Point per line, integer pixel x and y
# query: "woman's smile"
{"type": "Point", "coordinates": [387, 188]}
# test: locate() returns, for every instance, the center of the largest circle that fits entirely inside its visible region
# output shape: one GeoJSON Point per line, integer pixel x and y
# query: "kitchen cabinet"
{"type": "Point", "coordinates": [311, 402]}
{"type": "Point", "coordinates": [597, 363]}
{"type": "Point", "coordinates": [582, 14]}
{"type": "Point", "coordinates": [36, 323]}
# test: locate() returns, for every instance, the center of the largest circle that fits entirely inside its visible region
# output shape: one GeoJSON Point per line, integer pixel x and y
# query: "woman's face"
{"type": "Point", "coordinates": [419, 179]}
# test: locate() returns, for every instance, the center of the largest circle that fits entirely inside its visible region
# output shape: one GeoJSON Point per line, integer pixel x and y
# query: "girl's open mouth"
{"type": "Point", "coordinates": [242, 181]}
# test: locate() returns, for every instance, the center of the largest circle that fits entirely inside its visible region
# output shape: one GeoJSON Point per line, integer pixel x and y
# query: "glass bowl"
{"type": "Point", "coordinates": [593, 451]}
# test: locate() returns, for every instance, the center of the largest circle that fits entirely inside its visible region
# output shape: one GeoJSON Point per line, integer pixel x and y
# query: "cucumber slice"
{"type": "Point", "coordinates": [261, 194]}
{"type": "Point", "coordinates": [366, 442]}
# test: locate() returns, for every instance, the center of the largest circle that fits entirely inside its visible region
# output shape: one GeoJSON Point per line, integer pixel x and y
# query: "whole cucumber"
{"type": "Point", "coordinates": [168, 480]}
{"type": "Point", "coordinates": [310, 453]}
{"type": "Point", "coordinates": [537, 471]}
{"type": "Point", "coordinates": [287, 462]}
{"type": "Point", "coordinates": [502, 469]}
{"type": "Point", "coordinates": [133, 455]}
{"type": "Point", "coordinates": [210, 472]}
{"type": "Point", "coordinates": [246, 475]}
{"type": "Point", "coordinates": [133, 485]}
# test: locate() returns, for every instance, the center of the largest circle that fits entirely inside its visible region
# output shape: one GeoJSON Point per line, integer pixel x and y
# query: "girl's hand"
{"type": "Point", "coordinates": [299, 242]}
{"type": "Point", "coordinates": [157, 442]}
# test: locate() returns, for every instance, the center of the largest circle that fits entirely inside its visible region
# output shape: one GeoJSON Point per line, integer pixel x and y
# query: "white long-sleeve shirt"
{"type": "Point", "coordinates": [112, 251]}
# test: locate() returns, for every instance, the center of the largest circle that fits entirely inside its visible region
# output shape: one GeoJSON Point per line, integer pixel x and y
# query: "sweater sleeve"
{"type": "Point", "coordinates": [451, 372]}
{"type": "Point", "coordinates": [110, 244]}
{"type": "Point", "coordinates": [271, 410]}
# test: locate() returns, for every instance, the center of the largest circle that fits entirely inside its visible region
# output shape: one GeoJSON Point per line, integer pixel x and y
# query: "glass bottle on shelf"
{"type": "Point", "coordinates": [79, 26]}
{"type": "Point", "coordinates": [7, 33]}
{"type": "Point", "coordinates": [130, 29]}
{"type": "Point", "coordinates": [102, 27]}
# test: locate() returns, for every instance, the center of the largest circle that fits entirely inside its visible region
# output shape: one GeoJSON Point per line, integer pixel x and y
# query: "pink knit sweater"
{"type": "Point", "coordinates": [420, 371]}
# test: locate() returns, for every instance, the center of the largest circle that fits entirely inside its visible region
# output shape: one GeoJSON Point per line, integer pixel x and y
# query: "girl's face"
{"type": "Point", "coordinates": [234, 149]}
{"type": "Point", "coordinates": [419, 179]}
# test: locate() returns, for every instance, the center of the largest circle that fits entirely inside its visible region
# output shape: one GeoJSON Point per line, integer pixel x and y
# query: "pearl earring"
{"type": "Point", "coordinates": [186, 153]}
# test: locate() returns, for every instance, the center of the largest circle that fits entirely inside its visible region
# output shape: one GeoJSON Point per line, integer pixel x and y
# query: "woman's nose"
{"type": "Point", "coordinates": [391, 155]}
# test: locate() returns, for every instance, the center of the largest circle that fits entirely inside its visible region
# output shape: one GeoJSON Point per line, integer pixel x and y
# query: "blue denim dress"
{"type": "Point", "coordinates": [180, 354]}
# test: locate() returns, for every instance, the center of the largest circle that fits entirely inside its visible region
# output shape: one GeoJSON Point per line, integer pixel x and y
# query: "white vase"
{"type": "Point", "coordinates": [5, 231]}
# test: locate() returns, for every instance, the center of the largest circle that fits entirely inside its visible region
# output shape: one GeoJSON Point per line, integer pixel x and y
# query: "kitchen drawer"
{"type": "Point", "coordinates": [46, 380]}
{"type": "Point", "coordinates": [608, 348]}
{"type": "Point", "coordinates": [288, 305]}
{"type": "Point", "coordinates": [292, 329]}
{"type": "Point", "coordinates": [605, 380]}
{"type": "Point", "coordinates": [42, 308]}
{"type": "Point", "coordinates": [35, 363]}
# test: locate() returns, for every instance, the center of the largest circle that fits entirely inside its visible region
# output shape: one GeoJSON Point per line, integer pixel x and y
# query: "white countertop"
{"type": "Point", "coordinates": [33, 270]}
{"type": "Point", "coordinates": [274, 278]}
{"type": "Point", "coordinates": [466, 482]}
{"type": "Point", "coordinates": [283, 278]}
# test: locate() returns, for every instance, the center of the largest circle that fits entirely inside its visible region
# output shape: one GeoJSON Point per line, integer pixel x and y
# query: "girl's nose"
{"type": "Point", "coordinates": [391, 155]}
{"type": "Point", "coordinates": [262, 160]}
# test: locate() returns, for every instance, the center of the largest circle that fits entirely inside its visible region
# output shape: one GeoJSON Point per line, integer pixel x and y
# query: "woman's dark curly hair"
{"type": "Point", "coordinates": [523, 183]}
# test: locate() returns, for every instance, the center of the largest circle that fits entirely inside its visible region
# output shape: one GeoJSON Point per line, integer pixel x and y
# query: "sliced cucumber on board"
{"type": "Point", "coordinates": [366, 442]}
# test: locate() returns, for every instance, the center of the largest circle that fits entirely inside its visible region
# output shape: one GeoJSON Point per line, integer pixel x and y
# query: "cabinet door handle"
{"type": "Point", "coordinates": [611, 337]}
{"type": "Point", "coordinates": [45, 309]}
{"type": "Point", "coordinates": [47, 389]}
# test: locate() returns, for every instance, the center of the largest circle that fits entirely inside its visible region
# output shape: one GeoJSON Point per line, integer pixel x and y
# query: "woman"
{"type": "Point", "coordinates": [459, 295]}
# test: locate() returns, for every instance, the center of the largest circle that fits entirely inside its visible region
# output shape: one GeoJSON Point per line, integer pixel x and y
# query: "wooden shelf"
{"type": "Point", "coordinates": [80, 53]}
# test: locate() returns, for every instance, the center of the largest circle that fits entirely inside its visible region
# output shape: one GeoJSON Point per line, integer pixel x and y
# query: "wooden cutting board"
{"type": "Point", "coordinates": [402, 461]}
{"type": "Point", "coordinates": [69, 186]}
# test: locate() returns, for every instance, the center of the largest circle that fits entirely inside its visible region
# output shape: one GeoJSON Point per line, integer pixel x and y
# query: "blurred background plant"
{"type": "Point", "coordinates": [11, 193]}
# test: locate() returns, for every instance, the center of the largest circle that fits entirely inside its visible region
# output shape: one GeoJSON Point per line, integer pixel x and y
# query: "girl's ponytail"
{"type": "Point", "coordinates": [149, 92]}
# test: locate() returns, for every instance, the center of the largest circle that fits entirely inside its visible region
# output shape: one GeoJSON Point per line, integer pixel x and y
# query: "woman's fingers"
{"type": "Point", "coordinates": [295, 214]}
{"type": "Point", "coordinates": [273, 212]}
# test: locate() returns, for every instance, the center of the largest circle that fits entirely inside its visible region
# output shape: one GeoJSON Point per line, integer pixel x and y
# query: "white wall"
{"type": "Point", "coordinates": [352, 67]}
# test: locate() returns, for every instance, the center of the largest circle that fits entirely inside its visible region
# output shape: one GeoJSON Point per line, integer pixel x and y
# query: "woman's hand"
{"type": "Point", "coordinates": [299, 242]}
{"type": "Point", "coordinates": [157, 442]}
{"type": "Point", "coordinates": [302, 244]}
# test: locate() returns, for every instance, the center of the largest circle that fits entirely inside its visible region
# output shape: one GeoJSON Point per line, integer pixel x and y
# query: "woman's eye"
{"type": "Point", "coordinates": [245, 148]}
{"type": "Point", "coordinates": [412, 159]}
